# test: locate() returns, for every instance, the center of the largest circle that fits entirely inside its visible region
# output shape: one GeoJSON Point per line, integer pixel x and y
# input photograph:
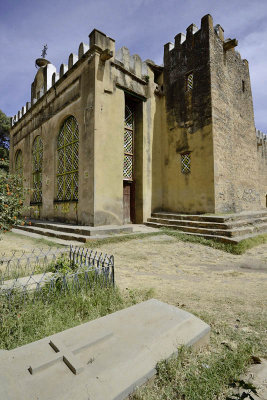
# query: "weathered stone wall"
{"type": "Point", "coordinates": [235, 147]}
{"type": "Point", "coordinates": [93, 88]}
{"type": "Point", "coordinates": [188, 122]}
{"type": "Point", "coordinates": [213, 123]}
{"type": "Point", "coordinates": [262, 166]}
{"type": "Point", "coordinates": [72, 93]}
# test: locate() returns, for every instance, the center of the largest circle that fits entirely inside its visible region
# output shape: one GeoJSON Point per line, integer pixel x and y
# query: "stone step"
{"type": "Point", "coordinates": [82, 230]}
{"type": "Point", "coordinates": [212, 218]}
{"type": "Point", "coordinates": [207, 224]}
{"type": "Point", "coordinates": [53, 233]}
{"type": "Point", "coordinates": [242, 231]}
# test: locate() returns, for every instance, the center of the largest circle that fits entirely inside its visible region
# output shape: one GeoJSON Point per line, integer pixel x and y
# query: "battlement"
{"type": "Point", "coordinates": [197, 36]}
{"type": "Point", "coordinates": [131, 63]}
{"type": "Point", "coordinates": [47, 75]}
{"type": "Point", "coordinates": [261, 138]}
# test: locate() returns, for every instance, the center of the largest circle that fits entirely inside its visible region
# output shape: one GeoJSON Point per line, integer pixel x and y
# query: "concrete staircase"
{"type": "Point", "coordinates": [77, 233]}
{"type": "Point", "coordinates": [229, 228]}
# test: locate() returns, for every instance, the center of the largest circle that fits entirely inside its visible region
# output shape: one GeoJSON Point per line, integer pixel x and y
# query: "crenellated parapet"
{"type": "Point", "coordinates": [131, 63]}
{"type": "Point", "coordinates": [197, 37]}
{"type": "Point", "coordinates": [47, 75]}
{"type": "Point", "coordinates": [262, 142]}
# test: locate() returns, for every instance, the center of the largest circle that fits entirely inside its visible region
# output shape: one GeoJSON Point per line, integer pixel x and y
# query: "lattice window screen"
{"type": "Point", "coordinates": [185, 163]}
{"type": "Point", "coordinates": [19, 164]}
{"type": "Point", "coordinates": [128, 143]}
{"type": "Point", "coordinates": [37, 167]}
{"type": "Point", "coordinates": [68, 160]}
{"type": "Point", "coordinates": [189, 81]}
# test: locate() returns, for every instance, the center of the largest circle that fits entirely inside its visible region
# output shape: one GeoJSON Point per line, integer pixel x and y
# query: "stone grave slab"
{"type": "Point", "coordinates": [104, 359]}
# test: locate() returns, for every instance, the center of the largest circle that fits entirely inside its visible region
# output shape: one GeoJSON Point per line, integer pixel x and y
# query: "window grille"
{"type": "Point", "coordinates": [185, 163]}
{"type": "Point", "coordinates": [189, 81]}
{"type": "Point", "coordinates": [37, 166]}
{"type": "Point", "coordinates": [19, 164]}
{"type": "Point", "coordinates": [68, 160]}
{"type": "Point", "coordinates": [128, 144]}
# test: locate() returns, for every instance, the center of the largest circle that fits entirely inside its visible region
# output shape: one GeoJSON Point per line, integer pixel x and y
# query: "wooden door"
{"type": "Point", "coordinates": [128, 202]}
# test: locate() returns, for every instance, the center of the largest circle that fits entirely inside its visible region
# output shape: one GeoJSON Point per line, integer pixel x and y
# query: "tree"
{"type": "Point", "coordinates": [4, 130]}
{"type": "Point", "coordinates": [4, 141]}
{"type": "Point", "coordinates": [4, 159]}
{"type": "Point", "coordinates": [11, 201]}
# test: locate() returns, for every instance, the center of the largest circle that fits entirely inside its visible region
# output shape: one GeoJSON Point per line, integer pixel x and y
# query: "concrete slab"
{"type": "Point", "coordinates": [105, 359]}
{"type": "Point", "coordinates": [30, 282]}
{"type": "Point", "coordinates": [43, 237]}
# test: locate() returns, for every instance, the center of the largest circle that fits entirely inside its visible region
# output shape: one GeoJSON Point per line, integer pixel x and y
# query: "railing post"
{"type": "Point", "coordinates": [113, 271]}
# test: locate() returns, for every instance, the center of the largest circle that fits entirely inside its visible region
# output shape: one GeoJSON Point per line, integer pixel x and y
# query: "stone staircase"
{"type": "Point", "coordinates": [229, 228]}
{"type": "Point", "coordinates": [77, 233]}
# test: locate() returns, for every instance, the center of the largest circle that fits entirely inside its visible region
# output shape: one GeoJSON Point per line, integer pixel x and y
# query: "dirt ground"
{"type": "Point", "coordinates": [181, 273]}
{"type": "Point", "coordinates": [12, 243]}
{"type": "Point", "coordinates": [187, 273]}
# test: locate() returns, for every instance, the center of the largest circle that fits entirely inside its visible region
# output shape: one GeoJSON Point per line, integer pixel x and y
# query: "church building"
{"type": "Point", "coordinates": [110, 139]}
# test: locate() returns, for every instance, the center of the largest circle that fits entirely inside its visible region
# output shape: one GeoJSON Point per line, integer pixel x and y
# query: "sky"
{"type": "Point", "coordinates": [144, 26]}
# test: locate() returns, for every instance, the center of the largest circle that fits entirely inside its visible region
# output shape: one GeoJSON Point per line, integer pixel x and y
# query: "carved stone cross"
{"type": "Point", "coordinates": [62, 353]}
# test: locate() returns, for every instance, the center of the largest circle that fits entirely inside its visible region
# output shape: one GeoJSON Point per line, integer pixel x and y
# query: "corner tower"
{"type": "Point", "coordinates": [209, 162]}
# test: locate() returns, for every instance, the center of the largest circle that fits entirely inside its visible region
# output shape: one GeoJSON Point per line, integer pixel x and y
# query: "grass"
{"type": "Point", "coordinates": [234, 248]}
{"type": "Point", "coordinates": [239, 248]}
{"type": "Point", "coordinates": [196, 377]}
{"type": "Point", "coordinates": [95, 243]}
{"type": "Point", "coordinates": [30, 321]}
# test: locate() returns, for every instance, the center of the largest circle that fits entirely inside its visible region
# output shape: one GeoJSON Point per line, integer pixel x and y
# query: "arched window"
{"type": "Point", "coordinates": [37, 167]}
{"type": "Point", "coordinates": [68, 160]}
{"type": "Point", "coordinates": [19, 163]}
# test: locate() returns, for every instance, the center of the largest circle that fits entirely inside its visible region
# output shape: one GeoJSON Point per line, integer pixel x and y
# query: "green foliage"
{"type": "Point", "coordinates": [11, 201]}
{"type": "Point", "coordinates": [4, 159]}
{"type": "Point", "coordinates": [234, 248]}
{"type": "Point", "coordinates": [63, 266]}
{"type": "Point", "coordinates": [146, 78]}
{"type": "Point", "coordinates": [31, 321]}
{"type": "Point", "coordinates": [4, 130]}
{"type": "Point", "coordinates": [193, 376]}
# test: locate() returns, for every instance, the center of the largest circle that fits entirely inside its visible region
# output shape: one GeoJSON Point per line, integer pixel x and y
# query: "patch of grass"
{"type": "Point", "coordinates": [193, 376]}
{"type": "Point", "coordinates": [31, 321]}
{"type": "Point", "coordinates": [234, 248]}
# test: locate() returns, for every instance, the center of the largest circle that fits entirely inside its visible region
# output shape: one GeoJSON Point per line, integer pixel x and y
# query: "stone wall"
{"type": "Point", "coordinates": [211, 123]}
{"type": "Point", "coordinates": [234, 139]}
{"type": "Point", "coordinates": [188, 123]}
{"type": "Point", "coordinates": [262, 166]}
{"type": "Point", "coordinates": [93, 88]}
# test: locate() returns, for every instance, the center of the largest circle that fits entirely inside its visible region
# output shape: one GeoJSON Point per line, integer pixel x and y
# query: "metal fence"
{"type": "Point", "coordinates": [54, 272]}
{"type": "Point", "coordinates": [14, 265]}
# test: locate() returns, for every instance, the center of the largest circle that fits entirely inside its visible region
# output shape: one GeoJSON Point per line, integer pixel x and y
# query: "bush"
{"type": "Point", "coordinates": [4, 159]}
{"type": "Point", "coordinates": [11, 201]}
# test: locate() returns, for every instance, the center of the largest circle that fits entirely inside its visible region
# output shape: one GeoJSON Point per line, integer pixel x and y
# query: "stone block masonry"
{"type": "Point", "coordinates": [190, 148]}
